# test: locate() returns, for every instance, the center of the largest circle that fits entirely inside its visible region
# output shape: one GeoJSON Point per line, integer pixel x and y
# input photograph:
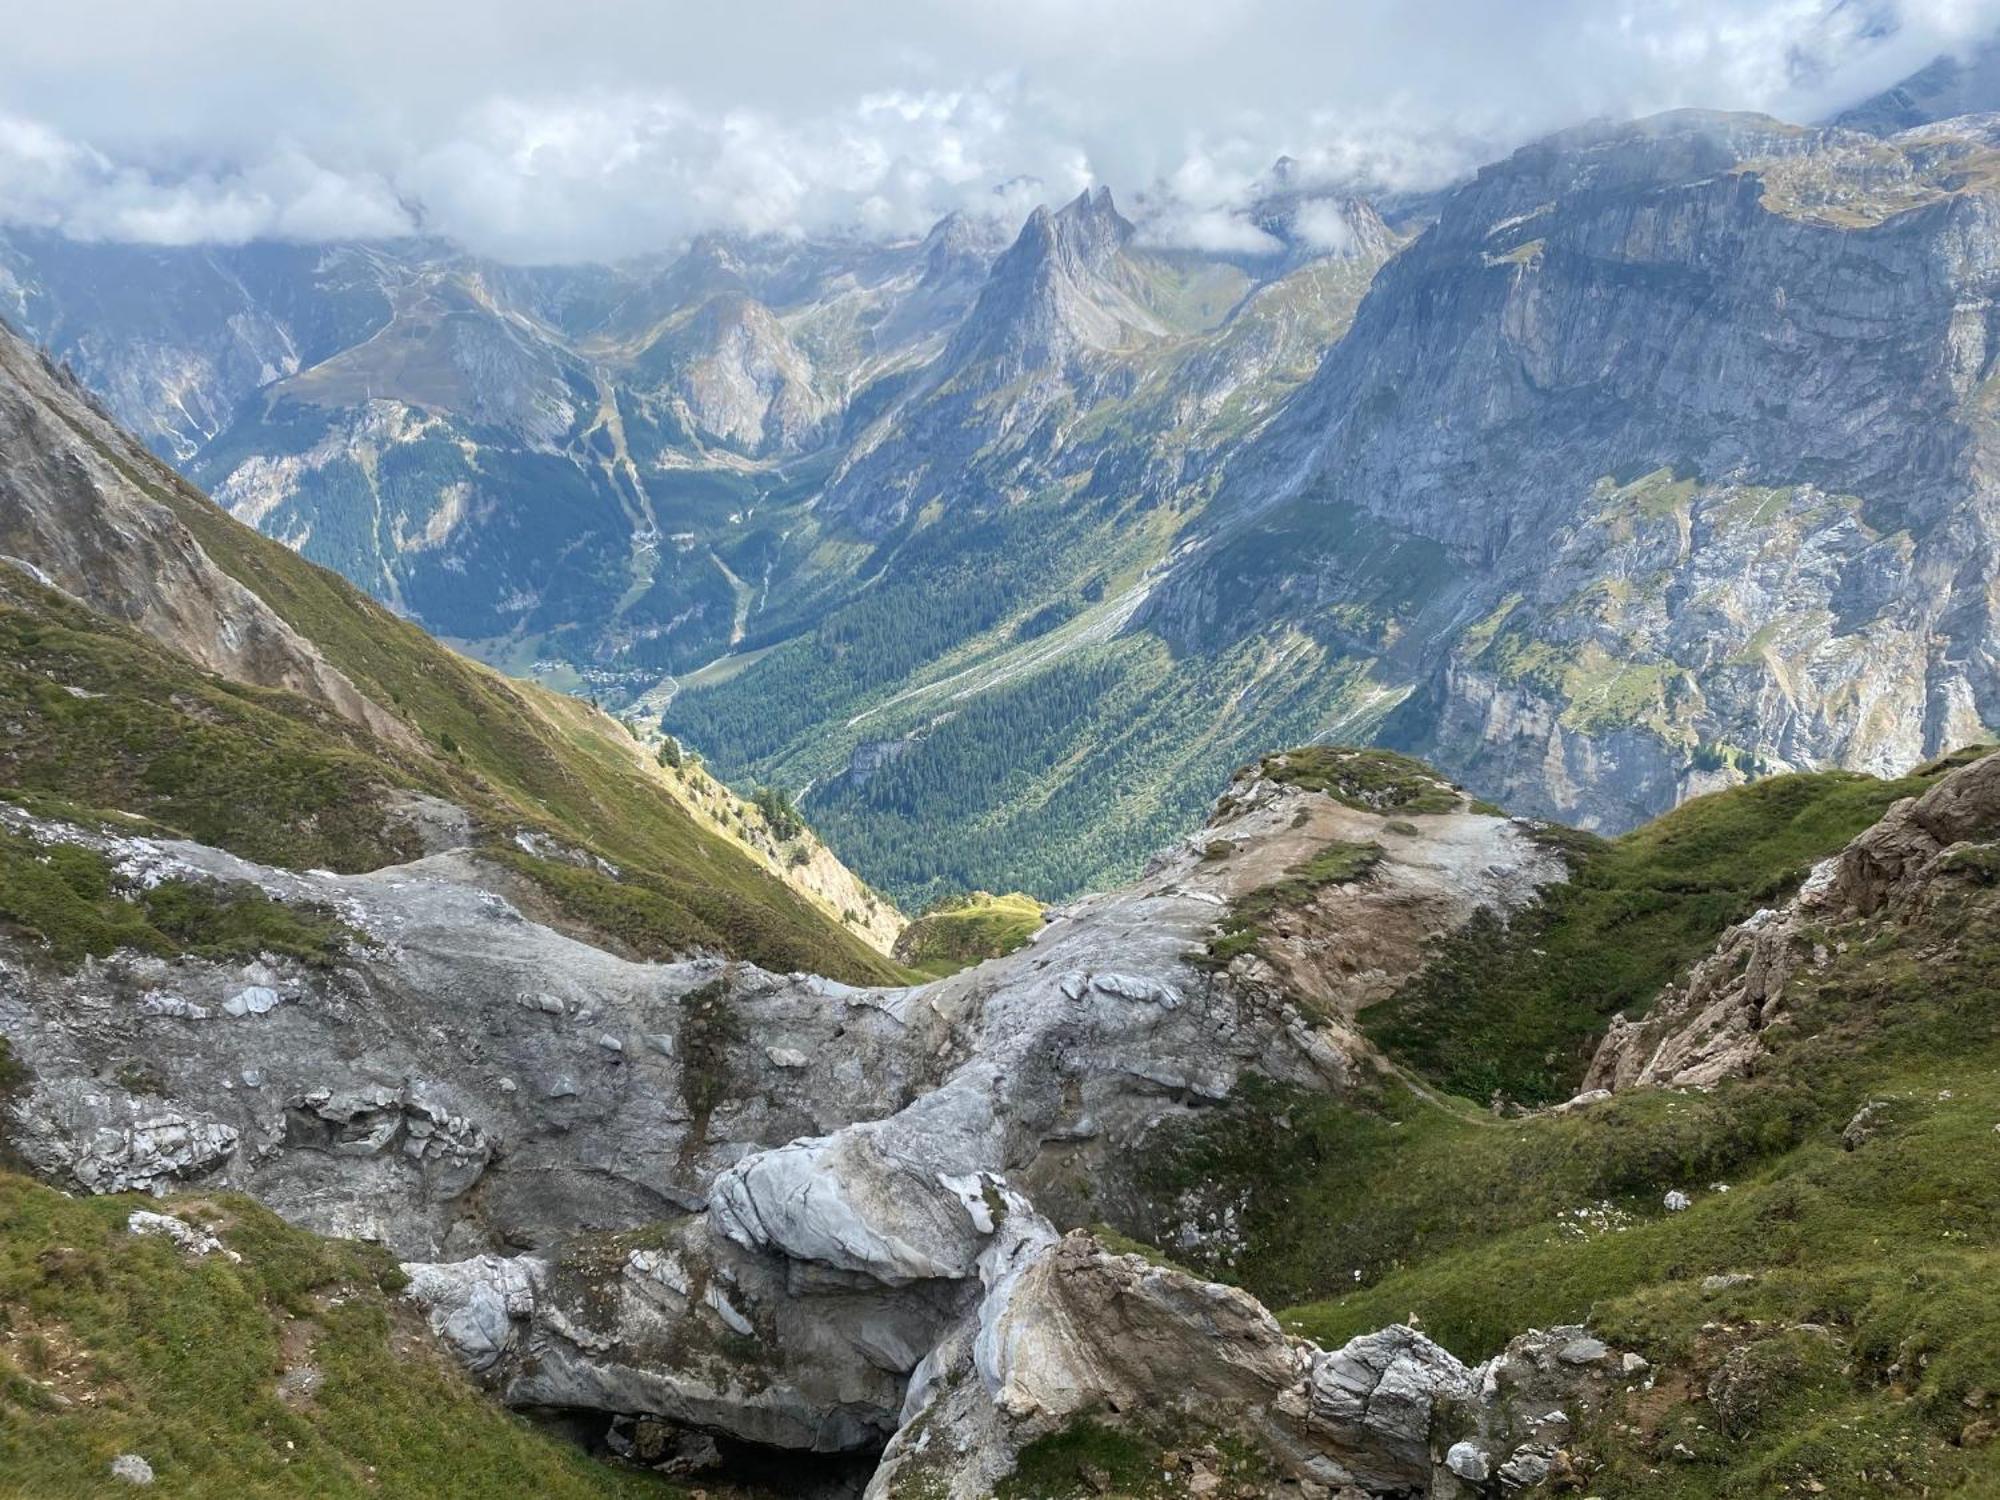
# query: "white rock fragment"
{"type": "Point", "coordinates": [733, 1320]}
{"type": "Point", "coordinates": [1529, 1466]}
{"type": "Point", "coordinates": [196, 1242]}
{"type": "Point", "coordinates": [164, 1003]}
{"type": "Point", "coordinates": [1134, 987]}
{"type": "Point", "coordinates": [660, 1267]}
{"type": "Point", "coordinates": [129, 1468]}
{"type": "Point", "coordinates": [1469, 1462]}
{"type": "Point", "coordinates": [1582, 1101]}
{"type": "Point", "coordinates": [971, 1190]}
{"type": "Point", "coordinates": [251, 1000]}
{"type": "Point", "coordinates": [473, 1304]}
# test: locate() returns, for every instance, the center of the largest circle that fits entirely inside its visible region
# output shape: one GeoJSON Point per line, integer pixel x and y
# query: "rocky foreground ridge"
{"type": "Point", "coordinates": [804, 1215]}
{"type": "Point", "coordinates": [769, 1206]}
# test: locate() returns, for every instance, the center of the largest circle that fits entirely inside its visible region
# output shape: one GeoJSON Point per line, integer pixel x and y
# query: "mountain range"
{"type": "Point", "coordinates": [416, 1080]}
{"type": "Point", "coordinates": [1650, 459]}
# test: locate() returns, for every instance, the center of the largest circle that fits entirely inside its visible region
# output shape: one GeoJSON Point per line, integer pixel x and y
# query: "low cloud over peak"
{"type": "Point", "coordinates": [619, 127]}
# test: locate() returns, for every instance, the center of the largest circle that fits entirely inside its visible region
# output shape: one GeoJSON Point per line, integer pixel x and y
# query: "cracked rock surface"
{"type": "Point", "coordinates": [770, 1207]}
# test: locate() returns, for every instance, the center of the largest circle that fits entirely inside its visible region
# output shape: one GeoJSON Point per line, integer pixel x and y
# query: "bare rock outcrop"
{"type": "Point", "coordinates": [769, 1207]}
{"type": "Point", "coordinates": [740, 381]}
{"type": "Point", "coordinates": [1080, 1332]}
{"type": "Point", "coordinates": [1709, 1027]}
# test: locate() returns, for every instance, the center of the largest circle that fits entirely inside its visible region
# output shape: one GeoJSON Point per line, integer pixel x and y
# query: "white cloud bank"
{"type": "Point", "coordinates": [615, 127]}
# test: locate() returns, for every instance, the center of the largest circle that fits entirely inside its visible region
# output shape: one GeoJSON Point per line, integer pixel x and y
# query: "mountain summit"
{"type": "Point", "coordinates": [1057, 293]}
{"type": "Point", "coordinates": [1964, 83]}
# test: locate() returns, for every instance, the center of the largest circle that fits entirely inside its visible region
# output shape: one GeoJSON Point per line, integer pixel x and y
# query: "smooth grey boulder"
{"type": "Point", "coordinates": [800, 1214]}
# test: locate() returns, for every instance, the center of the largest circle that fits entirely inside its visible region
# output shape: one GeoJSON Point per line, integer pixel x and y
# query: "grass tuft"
{"type": "Point", "coordinates": [1249, 918]}
{"type": "Point", "coordinates": [68, 903]}
{"type": "Point", "coordinates": [1368, 779]}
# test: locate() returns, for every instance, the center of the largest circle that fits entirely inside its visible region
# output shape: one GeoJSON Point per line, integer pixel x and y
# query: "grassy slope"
{"type": "Point", "coordinates": [103, 717]}
{"type": "Point", "coordinates": [979, 927]}
{"type": "Point", "coordinates": [1864, 1355]}
{"type": "Point", "coordinates": [70, 904]}
{"type": "Point", "coordinates": [111, 1343]}
{"type": "Point", "coordinates": [284, 781]}
{"type": "Point", "coordinates": [1518, 1012]}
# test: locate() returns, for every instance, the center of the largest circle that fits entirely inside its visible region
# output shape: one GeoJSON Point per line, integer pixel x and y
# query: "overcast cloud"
{"type": "Point", "coordinates": [605, 128]}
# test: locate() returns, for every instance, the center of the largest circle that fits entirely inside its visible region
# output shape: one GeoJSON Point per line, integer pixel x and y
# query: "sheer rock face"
{"type": "Point", "coordinates": [1709, 1027]}
{"type": "Point", "coordinates": [1683, 426]}
{"type": "Point", "coordinates": [1721, 292]}
{"type": "Point", "coordinates": [764, 1205]}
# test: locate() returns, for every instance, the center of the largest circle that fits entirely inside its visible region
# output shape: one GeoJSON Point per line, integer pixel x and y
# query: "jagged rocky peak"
{"type": "Point", "coordinates": [1961, 83]}
{"type": "Point", "coordinates": [708, 267]}
{"type": "Point", "coordinates": [959, 247]}
{"type": "Point", "coordinates": [1312, 218]}
{"type": "Point", "coordinates": [1054, 294]}
{"type": "Point", "coordinates": [1085, 232]}
{"type": "Point", "coordinates": [1347, 228]}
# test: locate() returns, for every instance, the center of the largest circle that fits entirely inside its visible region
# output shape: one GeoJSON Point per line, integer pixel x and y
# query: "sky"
{"type": "Point", "coordinates": [600, 129]}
